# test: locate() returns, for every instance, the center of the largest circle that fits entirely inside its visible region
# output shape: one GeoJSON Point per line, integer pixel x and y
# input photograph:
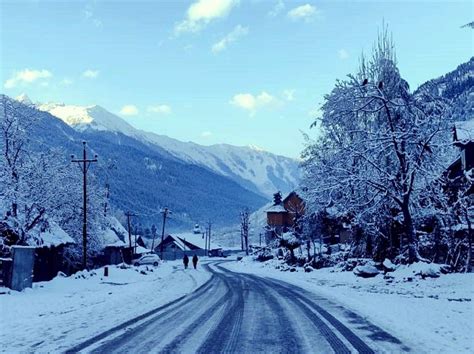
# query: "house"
{"type": "Point", "coordinates": [460, 179]}
{"type": "Point", "coordinates": [177, 245]}
{"type": "Point", "coordinates": [49, 244]}
{"type": "Point", "coordinates": [283, 214]}
{"type": "Point", "coordinates": [49, 252]}
{"type": "Point", "coordinates": [463, 138]}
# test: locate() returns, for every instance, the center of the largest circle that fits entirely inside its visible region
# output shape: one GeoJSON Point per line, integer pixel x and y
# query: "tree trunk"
{"type": "Point", "coordinates": [410, 232]}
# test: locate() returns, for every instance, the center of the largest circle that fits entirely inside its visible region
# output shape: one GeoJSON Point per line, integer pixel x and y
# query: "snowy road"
{"type": "Point", "coordinates": [236, 312]}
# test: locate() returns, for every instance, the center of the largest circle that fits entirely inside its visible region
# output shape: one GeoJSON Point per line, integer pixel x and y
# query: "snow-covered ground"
{"type": "Point", "coordinates": [431, 315]}
{"type": "Point", "coordinates": [53, 316]}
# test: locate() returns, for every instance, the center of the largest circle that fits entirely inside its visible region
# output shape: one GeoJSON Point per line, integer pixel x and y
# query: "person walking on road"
{"type": "Point", "coordinates": [195, 261]}
{"type": "Point", "coordinates": [185, 261]}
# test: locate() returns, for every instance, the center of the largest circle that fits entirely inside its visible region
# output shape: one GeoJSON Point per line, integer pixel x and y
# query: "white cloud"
{"type": "Point", "coordinates": [160, 109]}
{"type": "Point", "coordinates": [129, 110]}
{"type": "Point", "coordinates": [231, 37]}
{"type": "Point", "coordinates": [89, 15]}
{"type": "Point", "coordinates": [343, 54]}
{"type": "Point", "coordinates": [27, 76]}
{"type": "Point", "coordinates": [201, 12]}
{"type": "Point", "coordinates": [289, 95]}
{"type": "Point", "coordinates": [252, 103]}
{"type": "Point", "coordinates": [303, 12]}
{"type": "Point", "coordinates": [90, 74]}
{"type": "Point", "coordinates": [206, 134]}
{"type": "Point", "coordinates": [277, 9]}
{"type": "Point", "coordinates": [66, 82]}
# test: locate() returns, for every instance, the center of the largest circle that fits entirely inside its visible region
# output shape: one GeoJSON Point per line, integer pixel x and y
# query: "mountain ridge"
{"type": "Point", "coordinates": [255, 169]}
{"type": "Point", "coordinates": [144, 178]}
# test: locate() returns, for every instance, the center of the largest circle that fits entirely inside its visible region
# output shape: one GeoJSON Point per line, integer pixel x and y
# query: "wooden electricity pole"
{"type": "Point", "coordinates": [153, 232]}
{"type": "Point", "coordinates": [129, 215]}
{"type": "Point", "coordinates": [84, 165]}
{"type": "Point", "coordinates": [165, 213]}
{"type": "Point", "coordinates": [244, 227]}
{"type": "Point", "coordinates": [209, 225]}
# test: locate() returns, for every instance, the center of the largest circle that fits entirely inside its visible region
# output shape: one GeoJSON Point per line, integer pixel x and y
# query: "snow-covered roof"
{"type": "Point", "coordinates": [195, 239]}
{"type": "Point", "coordinates": [114, 234]}
{"type": "Point", "coordinates": [464, 131]}
{"type": "Point", "coordinates": [141, 250]}
{"type": "Point", "coordinates": [110, 239]}
{"type": "Point", "coordinates": [279, 208]}
{"type": "Point", "coordinates": [55, 236]}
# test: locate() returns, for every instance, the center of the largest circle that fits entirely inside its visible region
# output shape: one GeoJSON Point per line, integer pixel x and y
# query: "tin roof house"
{"type": "Point", "coordinates": [177, 245]}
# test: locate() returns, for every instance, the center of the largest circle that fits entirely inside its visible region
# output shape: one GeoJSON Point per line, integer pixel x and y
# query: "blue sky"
{"type": "Point", "coordinates": [248, 72]}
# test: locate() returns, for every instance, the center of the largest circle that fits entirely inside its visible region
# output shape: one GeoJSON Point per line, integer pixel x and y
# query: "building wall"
{"type": "Point", "coordinates": [174, 254]}
{"type": "Point", "coordinates": [277, 219]}
{"type": "Point", "coordinates": [294, 204]}
{"type": "Point", "coordinates": [468, 156]}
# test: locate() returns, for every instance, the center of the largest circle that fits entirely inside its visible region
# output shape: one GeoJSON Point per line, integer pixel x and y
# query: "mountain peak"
{"type": "Point", "coordinates": [256, 148]}
{"type": "Point", "coordinates": [88, 117]}
{"type": "Point", "coordinates": [23, 98]}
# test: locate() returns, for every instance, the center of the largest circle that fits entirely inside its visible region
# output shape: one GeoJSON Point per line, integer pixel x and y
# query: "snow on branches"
{"type": "Point", "coordinates": [40, 187]}
{"type": "Point", "coordinates": [379, 147]}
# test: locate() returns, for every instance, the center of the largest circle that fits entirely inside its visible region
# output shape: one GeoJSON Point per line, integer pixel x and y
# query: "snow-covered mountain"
{"type": "Point", "coordinates": [254, 169]}
{"type": "Point", "coordinates": [142, 177]}
{"type": "Point", "coordinates": [457, 88]}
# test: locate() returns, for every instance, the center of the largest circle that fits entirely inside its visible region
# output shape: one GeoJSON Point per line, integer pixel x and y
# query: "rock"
{"type": "Point", "coordinates": [388, 265]}
{"type": "Point", "coordinates": [292, 270]}
{"type": "Point", "coordinates": [308, 269]}
{"type": "Point", "coordinates": [263, 257]}
{"type": "Point", "coordinates": [366, 271]}
{"type": "Point", "coordinates": [426, 270]}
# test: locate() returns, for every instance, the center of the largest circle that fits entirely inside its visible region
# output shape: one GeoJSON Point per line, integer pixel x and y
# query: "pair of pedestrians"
{"type": "Point", "coordinates": [186, 261]}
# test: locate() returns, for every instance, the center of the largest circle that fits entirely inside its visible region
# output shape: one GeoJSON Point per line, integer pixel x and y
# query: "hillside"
{"type": "Point", "coordinates": [144, 177]}
{"type": "Point", "coordinates": [457, 87]}
{"type": "Point", "coordinates": [259, 171]}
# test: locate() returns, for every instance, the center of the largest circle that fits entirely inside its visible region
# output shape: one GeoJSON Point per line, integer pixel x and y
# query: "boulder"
{"type": "Point", "coordinates": [366, 271]}
{"type": "Point", "coordinates": [388, 266]}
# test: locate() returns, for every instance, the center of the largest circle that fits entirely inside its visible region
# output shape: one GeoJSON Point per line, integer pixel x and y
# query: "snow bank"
{"type": "Point", "coordinates": [53, 316]}
{"type": "Point", "coordinates": [432, 315]}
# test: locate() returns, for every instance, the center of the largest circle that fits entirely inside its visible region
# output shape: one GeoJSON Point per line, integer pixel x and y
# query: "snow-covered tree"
{"type": "Point", "coordinates": [379, 145]}
{"type": "Point", "coordinates": [40, 185]}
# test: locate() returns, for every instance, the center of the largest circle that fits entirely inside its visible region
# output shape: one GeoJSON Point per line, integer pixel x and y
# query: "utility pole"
{"type": "Point", "coordinates": [107, 196]}
{"type": "Point", "coordinates": [84, 165]}
{"type": "Point", "coordinates": [209, 225]}
{"type": "Point", "coordinates": [244, 224]}
{"type": "Point", "coordinates": [153, 232]}
{"type": "Point", "coordinates": [204, 235]}
{"type": "Point", "coordinates": [165, 213]}
{"type": "Point", "coordinates": [128, 214]}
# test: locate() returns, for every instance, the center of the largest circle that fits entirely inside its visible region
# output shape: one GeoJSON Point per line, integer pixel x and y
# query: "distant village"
{"type": "Point", "coordinates": [283, 217]}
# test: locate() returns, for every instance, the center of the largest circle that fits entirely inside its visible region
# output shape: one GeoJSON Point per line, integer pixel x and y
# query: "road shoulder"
{"type": "Point", "coordinates": [59, 314]}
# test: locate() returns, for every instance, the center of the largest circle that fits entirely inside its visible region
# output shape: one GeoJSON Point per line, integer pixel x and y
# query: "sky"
{"type": "Point", "coordinates": [248, 72]}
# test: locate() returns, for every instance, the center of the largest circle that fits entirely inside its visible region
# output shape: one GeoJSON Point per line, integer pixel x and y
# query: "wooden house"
{"type": "Point", "coordinates": [282, 216]}
{"type": "Point", "coordinates": [463, 138]}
